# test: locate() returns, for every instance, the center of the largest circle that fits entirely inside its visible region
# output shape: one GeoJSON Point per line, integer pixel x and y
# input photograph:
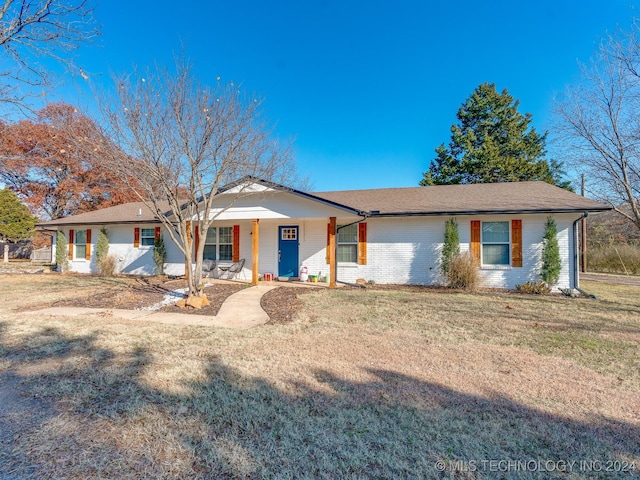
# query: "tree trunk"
{"type": "Point", "coordinates": [190, 279]}
{"type": "Point", "coordinates": [6, 253]}
{"type": "Point", "coordinates": [197, 277]}
{"type": "Point", "coordinates": [201, 233]}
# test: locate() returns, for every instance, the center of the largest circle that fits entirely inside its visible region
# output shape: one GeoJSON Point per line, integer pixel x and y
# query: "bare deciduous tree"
{"type": "Point", "coordinates": [184, 141]}
{"type": "Point", "coordinates": [32, 30]}
{"type": "Point", "coordinates": [599, 126]}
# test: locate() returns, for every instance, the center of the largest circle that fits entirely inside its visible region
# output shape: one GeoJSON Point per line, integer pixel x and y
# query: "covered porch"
{"type": "Point", "coordinates": [263, 249]}
{"type": "Point", "coordinates": [278, 230]}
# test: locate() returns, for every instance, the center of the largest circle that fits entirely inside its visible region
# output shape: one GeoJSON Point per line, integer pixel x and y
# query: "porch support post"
{"type": "Point", "coordinates": [255, 243]}
{"type": "Point", "coordinates": [333, 270]}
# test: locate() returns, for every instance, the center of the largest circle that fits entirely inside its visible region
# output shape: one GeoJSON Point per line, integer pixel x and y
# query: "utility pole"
{"type": "Point", "coordinates": [583, 244]}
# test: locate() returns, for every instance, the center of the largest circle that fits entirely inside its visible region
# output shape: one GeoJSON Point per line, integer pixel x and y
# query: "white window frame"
{"type": "Point", "coordinates": [217, 244]}
{"type": "Point", "coordinates": [147, 237]}
{"type": "Point", "coordinates": [76, 244]}
{"type": "Point", "coordinates": [507, 243]}
{"type": "Point", "coordinates": [339, 243]}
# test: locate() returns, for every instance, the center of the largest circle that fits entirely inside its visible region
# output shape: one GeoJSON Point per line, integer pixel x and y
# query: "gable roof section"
{"type": "Point", "coordinates": [277, 187]}
{"type": "Point", "coordinates": [473, 199]}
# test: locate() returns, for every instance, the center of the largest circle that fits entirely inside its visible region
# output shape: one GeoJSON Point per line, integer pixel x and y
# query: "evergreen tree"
{"type": "Point", "coordinates": [159, 254]}
{"type": "Point", "coordinates": [61, 251]}
{"type": "Point", "coordinates": [102, 245]}
{"type": "Point", "coordinates": [451, 246]}
{"type": "Point", "coordinates": [551, 262]}
{"type": "Point", "coordinates": [16, 221]}
{"type": "Point", "coordinates": [493, 142]}
{"type": "Point", "coordinates": [106, 263]}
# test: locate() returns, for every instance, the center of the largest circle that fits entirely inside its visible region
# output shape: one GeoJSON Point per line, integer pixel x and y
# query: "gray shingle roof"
{"type": "Point", "coordinates": [134, 212]}
{"type": "Point", "coordinates": [517, 197]}
{"type": "Point", "coordinates": [465, 199]}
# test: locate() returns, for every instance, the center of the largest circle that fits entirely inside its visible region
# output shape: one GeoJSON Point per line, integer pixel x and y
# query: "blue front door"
{"type": "Point", "coordinates": [288, 251]}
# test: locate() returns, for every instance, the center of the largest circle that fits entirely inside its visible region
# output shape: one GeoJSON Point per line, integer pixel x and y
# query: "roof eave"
{"type": "Point", "coordinates": [489, 212]}
{"type": "Point", "coordinates": [118, 222]}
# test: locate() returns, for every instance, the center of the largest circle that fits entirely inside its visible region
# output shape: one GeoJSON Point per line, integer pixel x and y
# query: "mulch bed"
{"type": "Point", "coordinates": [281, 304]}
{"type": "Point", "coordinates": [142, 293]}
{"type": "Point", "coordinates": [216, 295]}
{"type": "Point", "coordinates": [149, 291]}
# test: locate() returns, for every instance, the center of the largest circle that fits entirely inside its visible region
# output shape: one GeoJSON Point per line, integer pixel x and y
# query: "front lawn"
{"type": "Point", "coordinates": [362, 384]}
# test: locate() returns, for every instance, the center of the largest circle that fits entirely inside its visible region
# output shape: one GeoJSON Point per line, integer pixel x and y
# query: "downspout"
{"type": "Point", "coordinates": [576, 267]}
{"type": "Point", "coordinates": [364, 217]}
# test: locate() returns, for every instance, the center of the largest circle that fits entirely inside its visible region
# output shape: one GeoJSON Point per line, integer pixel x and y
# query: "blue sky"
{"type": "Point", "coordinates": [368, 89]}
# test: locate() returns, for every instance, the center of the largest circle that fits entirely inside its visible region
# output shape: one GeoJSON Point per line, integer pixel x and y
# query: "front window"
{"type": "Point", "coordinates": [148, 237]}
{"type": "Point", "coordinates": [219, 244]}
{"type": "Point", "coordinates": [348, 244]}
{"type": "Point", "coordinates": [495, 243]}
{"type": "Point", "coordinates": [81, 244]}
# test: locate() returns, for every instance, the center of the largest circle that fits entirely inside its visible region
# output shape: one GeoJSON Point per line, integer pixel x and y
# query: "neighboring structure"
{"type": "Point", "coordinates": [391, 235]}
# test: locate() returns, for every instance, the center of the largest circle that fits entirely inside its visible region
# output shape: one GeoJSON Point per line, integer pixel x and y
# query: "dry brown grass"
{"type": "Point", "coordinates": [615, 258]}
{"type": "Point", "coordinates": [363, 384]}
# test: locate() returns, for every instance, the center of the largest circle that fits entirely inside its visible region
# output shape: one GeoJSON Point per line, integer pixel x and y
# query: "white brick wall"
{"type": "Point", "coordinates": [399, 250]}
{"type": "Point", "coordinates": [532, 232]}
{"type": "Point", "coordinates": [129, 260]}
{"type": "Point", "coordinates": [407, 250]}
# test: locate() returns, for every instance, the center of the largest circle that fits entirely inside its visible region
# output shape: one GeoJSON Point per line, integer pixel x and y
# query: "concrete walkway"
{"type": "Point", "coordinates": [240, 310]}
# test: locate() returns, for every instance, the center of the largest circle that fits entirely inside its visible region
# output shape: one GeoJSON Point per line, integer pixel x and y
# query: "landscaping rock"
{"type": "Point", "coordinates": [205, 300]}
{"type": "Point", "coordinates": [195, 302]}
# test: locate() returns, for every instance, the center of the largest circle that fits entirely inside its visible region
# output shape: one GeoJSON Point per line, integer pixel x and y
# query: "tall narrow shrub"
{"type": "Point", "coordinates": [451, 246]}
{"type": "Point", "coordinates": [159, 254]}
{"type": "Point", "coordinates": [551, 262]}
{"type": "Point", "coordinates": [62, 255]}
{"type": "Point", "coordinates": [102, 245]}
{"type": "Point", "coordinates": [106, 263]}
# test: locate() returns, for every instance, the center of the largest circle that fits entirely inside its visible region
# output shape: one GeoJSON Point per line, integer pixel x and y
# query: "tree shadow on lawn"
{"type": "Point", "coordinates": [105, 421]}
